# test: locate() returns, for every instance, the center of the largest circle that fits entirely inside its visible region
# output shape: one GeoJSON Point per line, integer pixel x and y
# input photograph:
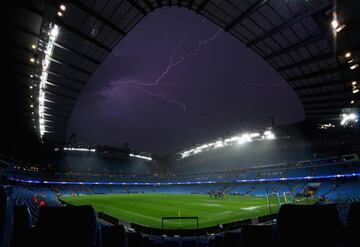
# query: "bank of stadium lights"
{"type": "Point", "coordinates": [349, 118]}
{"type": "Point", "coordinates": [355, 87]}
{"type": "Point", "coordinates": [336, 25]}
{"type": "Point", "coordinates": [53, 34]}
{"type": "Point", "coordinates": [61, 11]}
{"type": "Point", "coordinates": [140, 156]}
{"type": "Point", "coordinates": [78, 149]}
{"type": "Point", "coordinates": [354, 66]}
{"type": "Point", "coordinates": [237, 139]}
{"type": "Point", "coordinates": [326, 126]}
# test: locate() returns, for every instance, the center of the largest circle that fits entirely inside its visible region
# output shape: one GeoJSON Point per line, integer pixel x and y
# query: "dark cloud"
{"type": "Point", "coordinates": [219, 86]}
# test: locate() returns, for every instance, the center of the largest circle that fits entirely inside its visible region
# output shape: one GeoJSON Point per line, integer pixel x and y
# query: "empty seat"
{"type": "Point", "coordinates": [256, 235]}
{"type": "Point", "coordinates": [314, 225]}
{"type": "Point", "coordinates": [67, 226]}
{"type": "Point", "coordinates": [112, 236]}
{"type": "Point", "coordinates": [6, 214]}
{"type": "Point", "coordinates": [21, 226]}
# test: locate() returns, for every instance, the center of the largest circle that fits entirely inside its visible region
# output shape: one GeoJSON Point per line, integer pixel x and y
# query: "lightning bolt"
{"type": "Point", "coordinates": [183, 106]}
{"type": "Point", "coordinates": [207, 86]}
{"type": "Point", "coordinates": [173, 64]}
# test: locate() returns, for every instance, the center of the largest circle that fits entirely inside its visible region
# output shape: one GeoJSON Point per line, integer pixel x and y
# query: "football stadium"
{"type": "Point", "coordinates": [150, 123]}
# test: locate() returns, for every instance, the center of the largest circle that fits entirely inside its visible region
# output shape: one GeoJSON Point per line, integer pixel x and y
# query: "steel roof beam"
{"type": "Point", "coordinates": [70, 66]}
{"type": "Point", "coordinates": [71, 98]}
{"type": "Point", "coordinates": [295, 19]}
{"type": "Point", "coordinates": [202, 6]}
{"type": "Point", "coordinates": [83, 35]}
{"type": "Point", "coordinates": [97, 16]}
{"type": "Point", "coordinates": [50, 72]}
{"type": "Point", "coordinates": [255, 6]}
{"type": "Point", "coordinates": [80, 54]}
{"type": "Point", "coordinates": [148, 3]}
{"type": "Point", "coordinates": [191, 3]}
{"type": "Point", "coordinates": [137, 6]}
{"type": "Point", "coordinates": [318, 73]}
{"type": "Point", "coordinates": [302, 43]}
{"type": "Point", "coordinates": [339, 99]}
{"type": "Point", "coordinates": [329, 94]}
{"type": "Point", "coordinates": [322, 84]}
{"type": "Point", "coordinates": [314, 59]}
{"type": "Point", "coordinates": [330, 105]}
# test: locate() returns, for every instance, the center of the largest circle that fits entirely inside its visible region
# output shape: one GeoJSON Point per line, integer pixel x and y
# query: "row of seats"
{"type": "Point", "coordinates": [296, 225]}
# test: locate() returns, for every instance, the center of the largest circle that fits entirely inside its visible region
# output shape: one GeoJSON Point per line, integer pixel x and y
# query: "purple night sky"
{"type": "Point", "coordinates": [211, 84]}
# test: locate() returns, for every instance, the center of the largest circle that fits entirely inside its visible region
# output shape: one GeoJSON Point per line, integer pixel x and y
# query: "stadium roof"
{"type": "Point", "coordinates": [313, 49]}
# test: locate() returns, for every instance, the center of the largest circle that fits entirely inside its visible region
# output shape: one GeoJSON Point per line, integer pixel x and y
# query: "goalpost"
{"type": "Point", "coordinates": [288, 197]}
{"type": "Point", "coordinates": [273, 201]}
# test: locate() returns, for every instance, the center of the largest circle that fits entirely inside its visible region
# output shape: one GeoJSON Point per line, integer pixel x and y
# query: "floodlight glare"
{"type": "Point", "coordinates": [59, 13]}
{"type": "Point", "coordinates": [348, 54]}
{"type": "Point", "coordinates": [335, 24]}
{"type": "Point", "coordinates": [62, 7]}
{"type": "Point", "coordinates": [53, 34]}
{"type": "Point", "coordinates": [354, 66]}
{"type": "Point", "coordinates": [140, 156]}
{"type": "Point", "coordinates": [348, 118]}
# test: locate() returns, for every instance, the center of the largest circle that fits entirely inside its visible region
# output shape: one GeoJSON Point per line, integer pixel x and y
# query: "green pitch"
{"type": "Point", "coordinates": [148, 209]}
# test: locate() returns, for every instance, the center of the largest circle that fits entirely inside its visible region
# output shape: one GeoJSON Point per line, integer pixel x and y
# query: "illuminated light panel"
{"type": "Point", "coordinates": [343, 175]}
{"type": "Point", "coordinates": [341, 27]}
{"type": "Point", "coordinates": [237, 139]}
{"type": "Point", "coordinates": [326, 126]}
{"type": "Point", "coordinates": [53, 34]}
{"type": "Point", "coordinates": [140, 156]}
{"type": "Point", "coordinates": [348, 118]}
{"type": "Point", "coordinates": [78, 149]}
{"type": "Point", "coordinates": [354, 66]}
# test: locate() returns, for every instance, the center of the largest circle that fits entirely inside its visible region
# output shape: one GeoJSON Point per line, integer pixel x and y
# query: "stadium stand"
{"type": "Point", "coordinates": [300, 225]}
{"type": "Point", "coordinates": [6, 216]}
